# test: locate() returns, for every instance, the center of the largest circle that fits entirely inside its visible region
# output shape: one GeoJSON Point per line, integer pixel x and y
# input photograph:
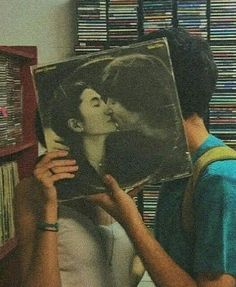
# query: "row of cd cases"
{"type": "Point", "coordinates": [108, 23]}
{"type": "Point", "coordinates": [8, 180]}
{"type": "Point", "coordinates": [222, 111]}
{"type": "Point", "coordinates": [11, 113]}
{"type": "Point", "coordinates": [100, 22]}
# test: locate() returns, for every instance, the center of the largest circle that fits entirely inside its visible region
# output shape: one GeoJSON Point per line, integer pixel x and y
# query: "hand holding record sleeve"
{"type": "Point", "coordinates": [53, 167]}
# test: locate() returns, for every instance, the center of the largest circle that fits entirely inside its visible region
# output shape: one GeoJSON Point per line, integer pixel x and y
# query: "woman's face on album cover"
{"type": "Point", "coordinates": [125, 119]}
{"type": "Point", "coordinates": [97, 116]}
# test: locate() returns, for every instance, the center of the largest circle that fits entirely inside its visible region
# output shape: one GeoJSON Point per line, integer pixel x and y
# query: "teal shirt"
{"type": "Point", "coordinates": [214, 249]}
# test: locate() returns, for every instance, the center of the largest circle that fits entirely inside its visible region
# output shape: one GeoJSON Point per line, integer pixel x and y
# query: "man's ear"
{"type": "Point", "coordinates": [75, 125]}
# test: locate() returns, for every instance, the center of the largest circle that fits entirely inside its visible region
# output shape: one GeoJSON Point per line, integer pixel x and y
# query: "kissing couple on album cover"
{"type": "Point", "coordinates": [117, 112]}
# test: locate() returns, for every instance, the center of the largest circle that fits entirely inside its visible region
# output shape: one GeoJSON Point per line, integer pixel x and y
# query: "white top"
{"type": "Point", "coordinates": [92, 255]}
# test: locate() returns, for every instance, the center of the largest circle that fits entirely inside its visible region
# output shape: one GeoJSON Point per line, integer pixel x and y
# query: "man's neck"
{"type": "Point", "coordinates": [196, 132]}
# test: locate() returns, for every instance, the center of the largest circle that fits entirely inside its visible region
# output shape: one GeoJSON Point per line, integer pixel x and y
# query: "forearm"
{"type": "Point", "coordinates": [162, 269]}
{"type": "Point", "coordinates": [44, 268]}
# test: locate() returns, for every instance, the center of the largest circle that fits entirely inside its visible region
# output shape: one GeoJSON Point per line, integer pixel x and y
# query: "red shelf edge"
{"type": "Point", "coordinates": [15, 51]}
{"type": "Point", "coordinates": [8, 247]}
{"type": "Point", "coordinates": [6, 151]}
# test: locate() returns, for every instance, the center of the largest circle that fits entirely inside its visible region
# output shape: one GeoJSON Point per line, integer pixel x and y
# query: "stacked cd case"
{"type": "Point", "coordinates": [150, 198]}
{"type": "Point", "coordinates": [10, 102]}
{"type": "Point", "coordinates": [192, 15]}
{"type": "Point", "coordinates": [223, 20]}
{"type": "Point", "coordinates": [9, 178]}
{"type": "Point", "coordinates": [157, 14]}
{"type": "Point", "coordinates": [122, 22]}
{"type": "Point", "coordinates": [91, 26]}
{"type": "Point", "coordinates": [222, 110]}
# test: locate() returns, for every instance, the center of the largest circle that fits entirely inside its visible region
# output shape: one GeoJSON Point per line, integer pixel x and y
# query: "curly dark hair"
{"type": "Point", "coordinates": [194, 68]}
{"type": "Point", "coordinates": [141, 83]}
{"type": "Point", "coordinates": [67, 96]}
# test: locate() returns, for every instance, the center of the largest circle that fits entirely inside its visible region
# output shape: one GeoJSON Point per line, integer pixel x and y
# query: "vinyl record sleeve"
{"type": "Point", "coordinates": [118, 113]}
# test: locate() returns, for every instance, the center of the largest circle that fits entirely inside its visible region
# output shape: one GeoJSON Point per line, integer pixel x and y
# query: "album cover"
{"type": "Point", "coordinates": [117, 112]}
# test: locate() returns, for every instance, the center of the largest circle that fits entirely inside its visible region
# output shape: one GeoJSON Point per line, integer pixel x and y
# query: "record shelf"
{"type": "Point", "coordinates": [18, 145]}
{"type": "Point", "coordinates": [123, 22]}
{"type": "Point", "coordinates": [222, 109]}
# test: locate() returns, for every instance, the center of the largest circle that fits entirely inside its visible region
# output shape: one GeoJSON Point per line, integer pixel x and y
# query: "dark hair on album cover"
{"type": "Point", "coordinates": [67, 96]}
{"type": "Point", "coordinates": [141, 83]}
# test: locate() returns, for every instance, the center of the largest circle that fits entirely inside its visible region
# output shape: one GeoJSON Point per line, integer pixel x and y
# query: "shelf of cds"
{"type": "Point", "coordinates": [92, 26]}
{"type": "Point", "coordinates": [122, 22]}
{"type": "Point", "coordinates": [222, 110]}
{"type": "Point", "coordinates": [103, 24]}
{"type": "Point", "coordinates": [156, 15]}
{"type": "Point", "coordinates": [106, 24]}
{"type": "Point", "coordinates": [9, 178]}
{"type": "Point", "coordinates": [10, 102]}
{"type": "Point", "coordinates": [192, 15]}
{"type": "Point", "coordinates": [18, 145]}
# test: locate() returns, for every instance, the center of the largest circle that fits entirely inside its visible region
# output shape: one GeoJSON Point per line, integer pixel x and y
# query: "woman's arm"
{"type": "Point", "coordinates": [36, 201]}
{"type": "Point", "coordinates": [36, 249]}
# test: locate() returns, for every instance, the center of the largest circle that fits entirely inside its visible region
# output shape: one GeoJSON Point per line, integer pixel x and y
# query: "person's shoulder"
{"type": "Point", "coordinates": [218, 181]}
{"type": "Point", "coordinates": [222, 169]}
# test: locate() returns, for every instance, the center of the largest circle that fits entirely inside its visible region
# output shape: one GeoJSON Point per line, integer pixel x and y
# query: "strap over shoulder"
{"type": "Point", "coordinates": [213, 154]}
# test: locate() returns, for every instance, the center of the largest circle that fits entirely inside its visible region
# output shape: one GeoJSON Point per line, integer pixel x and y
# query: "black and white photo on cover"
{"type": "Point", "coordinates": [117, 112]}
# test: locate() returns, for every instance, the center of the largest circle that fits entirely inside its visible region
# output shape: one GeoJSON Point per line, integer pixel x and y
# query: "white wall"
{"type": "Point", "coordinates": [48, 24]}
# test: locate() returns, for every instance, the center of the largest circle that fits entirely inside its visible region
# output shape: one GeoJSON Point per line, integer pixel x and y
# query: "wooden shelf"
{"type": "Point", "coordinates": [27, 52]}
{"type": "Point", "coordinates": [24, 153]}
{"type": "Point", "coordinates": [12, 149]}
{"type": "Point", "coordinates": [9, 246]}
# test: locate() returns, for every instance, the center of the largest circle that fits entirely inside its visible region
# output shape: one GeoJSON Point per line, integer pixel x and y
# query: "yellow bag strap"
{"type": "Point", "coordinates": [214, 154]}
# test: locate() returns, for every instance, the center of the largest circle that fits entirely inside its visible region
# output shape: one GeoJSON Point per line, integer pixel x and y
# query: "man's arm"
{"type": "Point", "coordinates": [161, 267]}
